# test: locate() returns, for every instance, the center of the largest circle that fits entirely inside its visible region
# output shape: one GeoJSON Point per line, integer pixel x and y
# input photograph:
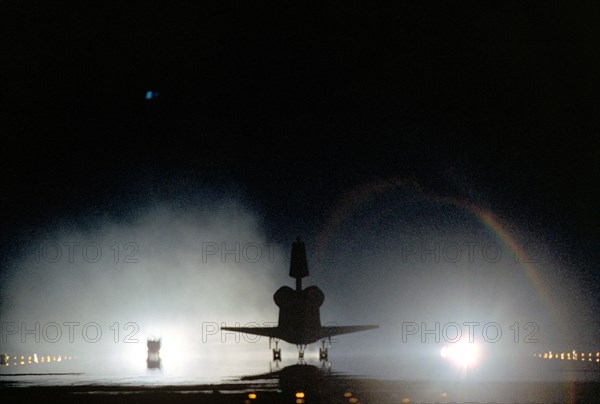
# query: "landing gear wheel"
{"type": "Point", "coordinates": [324, 351]}
{"type": "Point", "coordinates": [276, 350]}
{"type": "Point", "coordinates": [301, 349]}
{"type": "Point", "coordinates": [323, 354]}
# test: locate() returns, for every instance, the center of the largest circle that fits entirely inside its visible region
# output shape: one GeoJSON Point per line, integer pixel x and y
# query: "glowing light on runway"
{"type": "Point", "coordinates": [463, 353]}
{"type": "Point", "coordinates": [573, 355]}
{"type": "Point", "coordinates": [32, 359]}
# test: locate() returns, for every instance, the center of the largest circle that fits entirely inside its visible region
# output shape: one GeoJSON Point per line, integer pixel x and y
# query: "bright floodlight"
{"type": "Point", "coordinates": [463, 353]}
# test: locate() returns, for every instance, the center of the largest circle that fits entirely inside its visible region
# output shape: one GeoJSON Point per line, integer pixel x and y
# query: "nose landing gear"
{"type": "Point", "coordinates": [301, 349]}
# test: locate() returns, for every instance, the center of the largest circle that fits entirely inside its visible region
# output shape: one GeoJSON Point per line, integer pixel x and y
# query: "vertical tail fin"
{"type": "Point", "coordinates": [298, 264]}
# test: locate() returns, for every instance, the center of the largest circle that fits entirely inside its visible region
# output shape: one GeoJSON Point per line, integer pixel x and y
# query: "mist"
{"type": "Point", "coordinates": [180, 269]}
{"type": "Point", "coordinates": [166, 271]}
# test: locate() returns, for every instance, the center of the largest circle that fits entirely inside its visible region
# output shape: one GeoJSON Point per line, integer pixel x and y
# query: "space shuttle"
{"type": "Point", "coordinates": [299, 320]}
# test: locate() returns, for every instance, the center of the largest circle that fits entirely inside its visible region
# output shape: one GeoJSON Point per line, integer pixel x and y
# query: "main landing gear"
{"type": "Point", "coordinates": [324, 350]}
{"type": "Point", "coordinates": [276, 350]}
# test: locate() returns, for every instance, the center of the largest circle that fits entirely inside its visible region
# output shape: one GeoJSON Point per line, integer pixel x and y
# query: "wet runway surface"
{"type": "Point", "coordinates": [295, 383]}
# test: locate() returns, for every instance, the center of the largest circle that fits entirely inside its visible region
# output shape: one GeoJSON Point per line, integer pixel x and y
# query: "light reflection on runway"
{"type": "Point", "coordinates": [290, 381]}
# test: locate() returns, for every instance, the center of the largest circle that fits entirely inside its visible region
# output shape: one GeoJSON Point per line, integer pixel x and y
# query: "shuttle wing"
{"type": "Point", "coordinates": [347, 329]}
{"type": "Point", "coordinates": [314, 334]}
{"type": "Point", "coordinates": [273, 332]}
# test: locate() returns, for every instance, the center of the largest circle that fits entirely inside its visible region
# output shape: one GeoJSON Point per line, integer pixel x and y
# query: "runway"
{"type": "Point", "coordinates": [296, 383]}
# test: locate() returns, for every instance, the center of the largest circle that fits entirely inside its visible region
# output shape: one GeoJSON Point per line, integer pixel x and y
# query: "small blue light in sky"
{"type": "Point", "coordinates": [149, 95]}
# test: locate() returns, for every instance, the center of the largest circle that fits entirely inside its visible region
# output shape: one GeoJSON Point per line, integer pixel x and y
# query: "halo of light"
{"type": "Point", "coordinates": [462, 353]}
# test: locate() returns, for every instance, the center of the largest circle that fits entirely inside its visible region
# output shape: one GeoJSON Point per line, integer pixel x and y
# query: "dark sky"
{"type": "Point", "coordinates": [317, 98]}
{"type": "Point", "coordinates": [292, 107]}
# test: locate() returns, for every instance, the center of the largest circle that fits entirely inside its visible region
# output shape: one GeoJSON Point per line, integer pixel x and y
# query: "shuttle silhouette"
{"type": "Point", "coordinates": [299, 313]}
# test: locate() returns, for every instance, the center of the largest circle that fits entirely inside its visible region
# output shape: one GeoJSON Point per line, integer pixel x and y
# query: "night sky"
{"type": "Point", "coordinates": [293, 111]}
